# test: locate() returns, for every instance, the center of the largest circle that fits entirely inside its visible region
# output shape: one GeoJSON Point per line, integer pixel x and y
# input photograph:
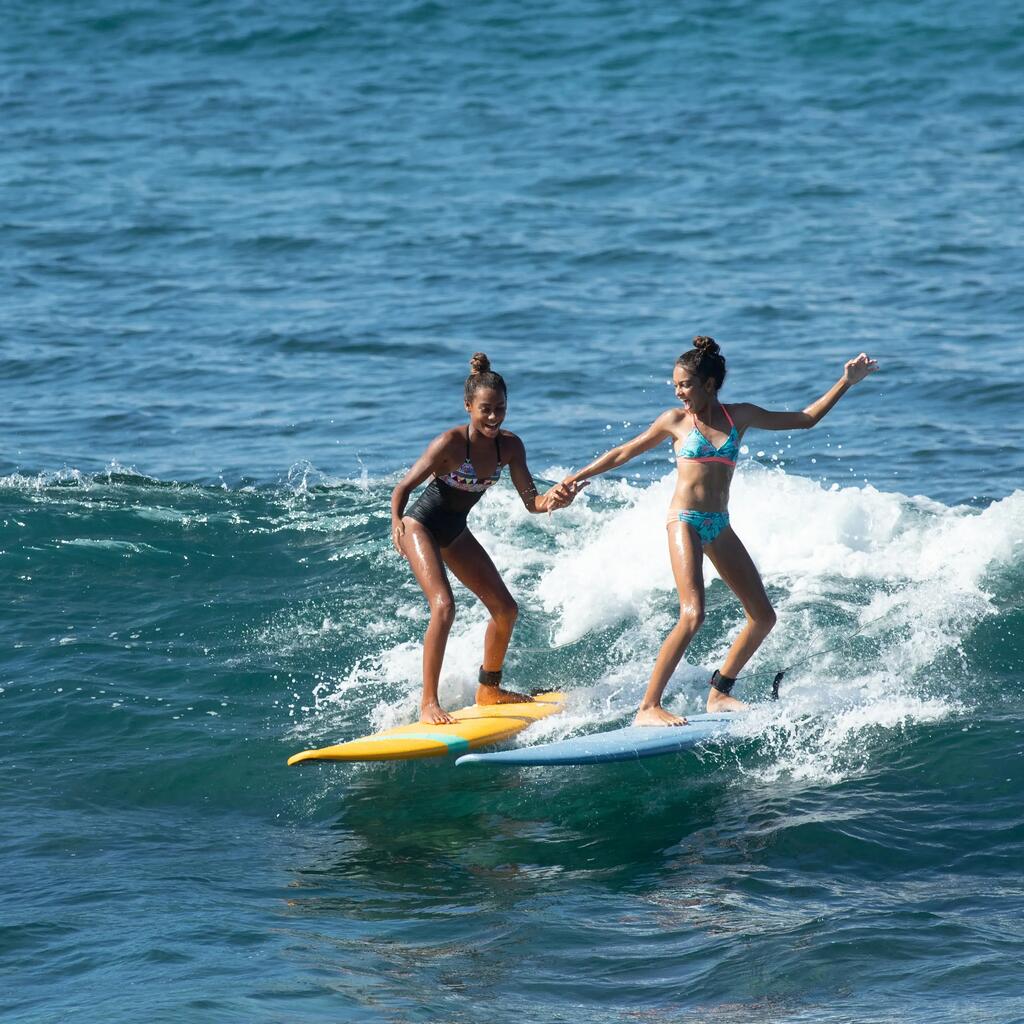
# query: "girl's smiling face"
{"type": "Point", "coordinates": [487, 411]}
{"type": "Point", "coordinates": [694, 393]}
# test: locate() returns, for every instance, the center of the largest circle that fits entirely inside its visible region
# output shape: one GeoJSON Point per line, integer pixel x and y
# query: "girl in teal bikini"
{"type": "Point", "coordinates": [706, 441]}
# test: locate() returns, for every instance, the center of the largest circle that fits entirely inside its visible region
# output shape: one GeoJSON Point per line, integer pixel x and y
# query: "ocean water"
{"type": "Point", "coordinates": [247, 253]}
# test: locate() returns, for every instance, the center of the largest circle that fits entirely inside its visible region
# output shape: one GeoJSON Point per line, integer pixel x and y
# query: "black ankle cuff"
{"type": "Point", "coordinates": [723, 684]}
{"type": "Point", "coordinates": [489, 678]}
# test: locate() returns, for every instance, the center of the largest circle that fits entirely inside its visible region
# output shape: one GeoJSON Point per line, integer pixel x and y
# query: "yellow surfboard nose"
{"type": "Point", "coordinates": [475, 726]}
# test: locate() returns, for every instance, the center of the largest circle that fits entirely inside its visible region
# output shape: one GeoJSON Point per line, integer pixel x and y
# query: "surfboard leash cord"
{"type": "Point", "coordinates": [781, 674]}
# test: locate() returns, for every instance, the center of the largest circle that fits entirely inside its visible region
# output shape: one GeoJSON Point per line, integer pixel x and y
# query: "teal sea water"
{"type": "Point", "coordinates": [247, 252]}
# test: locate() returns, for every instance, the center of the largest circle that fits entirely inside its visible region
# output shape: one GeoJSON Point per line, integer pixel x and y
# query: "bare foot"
{"type": "Point", "coordinates": [496, 695]}
{"type": "Point", "coordinates": [657, 716]}
{"type": "Point", "coordinates": [722, 702]}
{"type": "Point", "coordinates": [434, 714]}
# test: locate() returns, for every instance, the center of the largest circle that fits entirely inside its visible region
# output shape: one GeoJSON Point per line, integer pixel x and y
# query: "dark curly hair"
{"type": "Point", "coordinates": [705, 360]}
{"type": "Point", "coordinates": [482, 376]}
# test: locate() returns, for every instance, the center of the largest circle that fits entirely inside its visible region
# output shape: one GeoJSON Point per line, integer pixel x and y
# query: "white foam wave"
{"type": "Point", "coordinates": [800, 534]}
{"type": "Point", "coordinates": [914, 572]}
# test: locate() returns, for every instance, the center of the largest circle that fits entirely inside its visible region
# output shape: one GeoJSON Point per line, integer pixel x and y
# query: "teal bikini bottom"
{"type": "Point", "coordinates": [707, 524]}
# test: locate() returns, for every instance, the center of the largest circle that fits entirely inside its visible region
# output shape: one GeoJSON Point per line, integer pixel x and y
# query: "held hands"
{"type": "Point", "coordinates": [559, 496]}
{"type": "Point", "coordinates": [857, 369]}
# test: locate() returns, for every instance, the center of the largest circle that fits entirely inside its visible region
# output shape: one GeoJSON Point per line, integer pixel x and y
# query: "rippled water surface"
{"type": "Point", "coordinates": [247, 252]}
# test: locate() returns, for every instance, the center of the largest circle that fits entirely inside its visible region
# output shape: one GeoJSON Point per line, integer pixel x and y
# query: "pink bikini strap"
{"type": "Point", "coordinates": [727, 416]}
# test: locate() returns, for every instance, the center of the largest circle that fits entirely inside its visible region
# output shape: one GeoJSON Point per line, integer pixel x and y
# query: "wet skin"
{"type": "Point", "coordinates": [464, 557]}
{"type": "Point", "coordinates": [705, 487]}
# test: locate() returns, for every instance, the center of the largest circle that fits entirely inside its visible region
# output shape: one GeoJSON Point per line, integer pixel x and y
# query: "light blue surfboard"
{"type": "Point", "coordinates": [629, 744]}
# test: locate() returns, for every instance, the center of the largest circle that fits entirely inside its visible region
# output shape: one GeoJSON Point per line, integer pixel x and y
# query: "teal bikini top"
{"type": "Point", "coordinates": [697, 448]}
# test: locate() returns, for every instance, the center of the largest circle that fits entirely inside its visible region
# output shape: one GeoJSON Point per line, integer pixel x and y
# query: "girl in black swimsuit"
{"type": "Point", "coordinates": [433, 533]}
{"type": "Point", "coordinates": [444, 506]}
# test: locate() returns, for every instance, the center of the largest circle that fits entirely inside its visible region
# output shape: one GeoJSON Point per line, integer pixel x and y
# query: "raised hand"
{"type": "Point", "coordinates": [857, 369]}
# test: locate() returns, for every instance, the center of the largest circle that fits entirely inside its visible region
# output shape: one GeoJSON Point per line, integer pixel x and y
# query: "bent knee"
{"type": "Point", "coordinates": [506, 613]}
{"type": "Point", "coordinates": [442, 611]}
{"type": "Point", "coordinates": [691, 618]}
{"type": "Point", "coordinates": [764, 620]}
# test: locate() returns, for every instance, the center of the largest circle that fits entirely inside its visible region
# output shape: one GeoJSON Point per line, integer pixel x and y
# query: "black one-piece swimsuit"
{"type": "Point", "coordinates": [445, 503]}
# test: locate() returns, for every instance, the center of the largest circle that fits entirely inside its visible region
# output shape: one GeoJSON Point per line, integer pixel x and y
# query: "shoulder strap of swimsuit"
{"type": "Point", "coordinates": [728, 417]}
{"type": "Point", "coordinates": [497, 446]}
{"type": "Point", "coordinates": [469, 458]}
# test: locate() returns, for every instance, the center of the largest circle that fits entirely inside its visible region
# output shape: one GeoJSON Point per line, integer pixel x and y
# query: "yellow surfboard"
{"type": "Point", "coordinates": [474, 727]}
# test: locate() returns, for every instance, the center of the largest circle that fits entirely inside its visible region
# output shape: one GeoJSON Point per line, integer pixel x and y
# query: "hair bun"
{"type": "Point", "coordinates": [479, 363]}
{"type": "Point", "coordinates": [706, 346]}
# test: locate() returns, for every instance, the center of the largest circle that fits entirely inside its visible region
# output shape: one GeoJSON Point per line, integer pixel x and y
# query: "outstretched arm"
{"type": "Point", "coordinates": [522, 479]}
{"type": "Point", "coordinates": [654, 435]}
{"type": "Point", "coordinates": [754, 416]}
